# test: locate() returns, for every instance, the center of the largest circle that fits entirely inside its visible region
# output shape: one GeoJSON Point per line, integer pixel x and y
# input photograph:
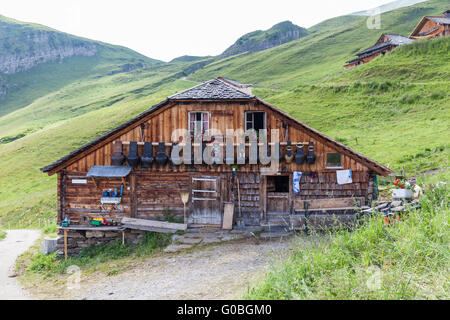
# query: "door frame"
{"type": "Point", "coordinates": [218, 182]}
{"type": "Point", "coordinates": [263, 191]}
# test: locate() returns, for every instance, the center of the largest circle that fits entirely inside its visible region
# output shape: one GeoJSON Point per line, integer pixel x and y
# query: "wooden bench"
{"type": "Point", "coordinates": [326, 213]}
{"type": "Point", "coordinates": [329, 204]}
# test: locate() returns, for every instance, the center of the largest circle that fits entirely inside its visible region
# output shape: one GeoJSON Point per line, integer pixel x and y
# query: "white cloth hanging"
{"type": "Point", "coordinates": [344, 176]}
{"type": "Point", "coordinates": [296, 181]}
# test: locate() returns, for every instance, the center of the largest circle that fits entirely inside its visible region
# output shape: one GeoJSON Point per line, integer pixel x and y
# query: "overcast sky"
{"type": "Point", "coordinates": [166, 29]}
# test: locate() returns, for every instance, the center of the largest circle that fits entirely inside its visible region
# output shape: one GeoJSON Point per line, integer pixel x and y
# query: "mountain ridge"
{"type": "Point", "coordinates": [260, 40]}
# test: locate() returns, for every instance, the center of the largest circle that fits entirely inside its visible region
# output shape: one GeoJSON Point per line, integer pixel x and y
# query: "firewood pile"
{"type": "Point", "coordinates": [393, 209]}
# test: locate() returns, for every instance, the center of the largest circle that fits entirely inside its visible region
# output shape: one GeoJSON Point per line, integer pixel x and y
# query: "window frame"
{"type": "Point", "coordinates": [202, 121]}
{"type": "Point", "coordinates": [327, 166]}
{"type": "Point", "coordinates": [246, 113]}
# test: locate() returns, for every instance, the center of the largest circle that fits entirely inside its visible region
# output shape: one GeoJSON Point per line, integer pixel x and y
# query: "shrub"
{"type": "Point", "coordinates": [44, 263]}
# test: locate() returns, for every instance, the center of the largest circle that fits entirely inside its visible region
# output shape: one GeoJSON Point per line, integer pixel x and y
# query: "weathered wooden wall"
{"type": "Point", "coordinates": [442, 30]}
{"type": "Point", "coordinates": [78, 200]}
{"type": "Point", "coordinates": [157, 192]}
{"type": "Point", "coordinates": [159, 127]}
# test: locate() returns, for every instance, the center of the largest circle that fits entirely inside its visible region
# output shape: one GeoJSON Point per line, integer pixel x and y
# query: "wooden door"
{"type": "Point", "coordinates": [278, 194]}
{"type": "Point", "coordinates": [206, 203]}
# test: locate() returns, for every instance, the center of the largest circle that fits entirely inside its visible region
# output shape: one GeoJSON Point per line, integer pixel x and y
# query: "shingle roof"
{"type": "Point", "coordinates": [399, 40]}
{"type": "Point", "coordinates": [394, 39]}
{"type": "Point", "coordinates": [441, 20]}
{"type": "Point", "coordinates": [375, 48]}
{"type": "Point", "coordinates": [211, 90]}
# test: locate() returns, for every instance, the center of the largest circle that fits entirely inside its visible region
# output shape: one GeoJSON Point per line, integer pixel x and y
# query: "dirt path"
{"type": "Point", "coordinates": [15, 243]}
{"type": "Point", "coordinates": [219, 272]}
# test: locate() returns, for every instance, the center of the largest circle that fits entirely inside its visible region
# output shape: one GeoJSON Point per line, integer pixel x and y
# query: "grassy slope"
{"type": "Point", "coordinates": [25, 87]}
{"type": "Point", "coordinates": [404, 260]}
{"type": "Point", "coordinates": [320, 54]}
{"type": "Point", "coordinates": [395, 109]}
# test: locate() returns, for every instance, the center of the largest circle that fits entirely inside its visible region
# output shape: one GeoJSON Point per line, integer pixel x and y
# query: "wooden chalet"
{"type": "Point", "coordinates": [134, 161]}
{"type": "Point", "coordinates": [386, 43]}
{"type": "Point", "coordinates": [432, 27]}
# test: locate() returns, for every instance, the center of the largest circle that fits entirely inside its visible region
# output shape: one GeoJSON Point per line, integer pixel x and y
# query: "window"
{"type": "Point", "coordinates": [255, 120]}
{"type": "Point", "coordinates": [198, 122]}
{"type": "Point", "coordinates": [334, 160]}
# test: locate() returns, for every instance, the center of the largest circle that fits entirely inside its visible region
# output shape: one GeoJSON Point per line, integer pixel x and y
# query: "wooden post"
{"type": "Point", "coordinates": [133, 196]}
{"type": "Point", "coordinates": [65, 244]}
{"type": "Point", "coordinates": [239, 197]}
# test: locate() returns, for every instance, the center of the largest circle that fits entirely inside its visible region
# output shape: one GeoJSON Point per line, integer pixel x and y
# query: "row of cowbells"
{"type": "Point", "coordinates": [147, 159]}
{"type": "Point", "coordinates": [133, 159]}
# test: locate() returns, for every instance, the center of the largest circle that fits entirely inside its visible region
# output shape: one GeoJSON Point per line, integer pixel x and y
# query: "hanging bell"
{"type": "Point", "coordinates": [289, 156]}
{"type": "Point", "coordinates": [311, 158]}
{"type": "Point", "coordinates": [133, 157]}
{"type": "Point", "coordinates": [147, 158]}
{"type": "Point", "coordinates": [117, 158]}
{"type": "Point", "coordinates": [161, 157]}
{"type": "Point", "coordinates": [299, 156]}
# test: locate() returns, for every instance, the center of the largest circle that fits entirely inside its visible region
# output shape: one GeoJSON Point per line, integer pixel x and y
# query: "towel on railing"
{"type": "Point", "coordinates": [296, 181]}
{"type": "Point", "coordinates": [344, 176]}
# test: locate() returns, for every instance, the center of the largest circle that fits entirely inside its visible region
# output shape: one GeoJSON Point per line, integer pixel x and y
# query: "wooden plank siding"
{"type": "Point", "coordinates": [159, 127]}
{"type": "Point", "coordinates": [83, 200]}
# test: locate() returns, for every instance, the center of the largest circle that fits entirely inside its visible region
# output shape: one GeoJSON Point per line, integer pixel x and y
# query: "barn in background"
{"type": "Point", "coordinates": [385, 44]}
{"type": "Point", "coordinates": [432, 27]}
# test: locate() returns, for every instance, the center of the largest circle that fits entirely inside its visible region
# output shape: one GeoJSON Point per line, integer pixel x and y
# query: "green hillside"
{"type": "Point", "coordinates": [394, 110]}
{"type": "Point", "coordinates": [319, 55]}
{"type": "Point", "coordinates": [36, 60]}
{"type": "Point", "coordinates": [261, 40]}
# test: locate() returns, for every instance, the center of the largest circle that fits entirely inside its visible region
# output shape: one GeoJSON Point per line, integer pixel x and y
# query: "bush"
{"type": "Point", "coordinates": [44, 263]}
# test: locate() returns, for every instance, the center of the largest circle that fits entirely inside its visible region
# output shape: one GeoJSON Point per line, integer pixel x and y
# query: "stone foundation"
{"type": "Point", "coordinates": [77, 240]}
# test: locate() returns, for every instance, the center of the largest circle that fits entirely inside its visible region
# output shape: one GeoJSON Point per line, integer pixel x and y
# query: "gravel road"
{"type": "Point", "coordinates": [15, 243]}
{"type": "Point", "coordinates": [218, 272]}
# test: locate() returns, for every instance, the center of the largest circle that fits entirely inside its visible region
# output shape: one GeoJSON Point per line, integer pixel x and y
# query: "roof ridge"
{"type": "Point", "coordinates": [234, 88]}
{"type": "Point", "coordinates": [213, 89]}
{"type": "Point", "coordinates": [198, 85]}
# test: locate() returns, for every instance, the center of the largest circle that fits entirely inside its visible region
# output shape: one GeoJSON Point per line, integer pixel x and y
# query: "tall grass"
{"type": "Point", "coordinates": [405, 260]}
